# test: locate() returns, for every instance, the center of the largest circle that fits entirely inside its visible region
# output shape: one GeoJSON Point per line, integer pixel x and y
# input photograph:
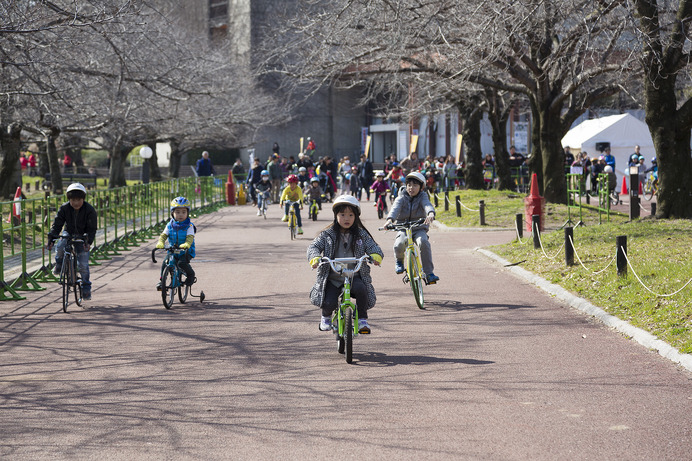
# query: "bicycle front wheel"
{"type": "Point", "coordinates": [648, 190]}
{"type": "Point", "coordinates": [415, 278]}
{"type": "Point", "coordinates": [348, 334]}
{"type": "Point", "coordinates": [292, 225]}
{"type": "Point", "coordinates": [167, 288]}
{"type": "Point", "coordinates": [64, 280]}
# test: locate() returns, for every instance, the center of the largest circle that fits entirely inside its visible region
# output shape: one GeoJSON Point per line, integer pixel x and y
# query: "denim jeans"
{"type": "Point", "coordinates": [82, 261]}
{"type": "Point", "coordinates": [296, 206]}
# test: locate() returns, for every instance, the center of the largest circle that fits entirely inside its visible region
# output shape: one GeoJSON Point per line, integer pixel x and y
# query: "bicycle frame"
{"type": "Point", "coordinates": [341, 318]}
{"type": "Point", "coordinates": [292, 218]}
{"type": "Point", "coordinates": [170, 266]}
{"type": "Point", "coordinates": [415, 275]}
{"type": "Point", "coordinates": [265, 199]}
{"type": "Point", "coordinates": [69, 270]}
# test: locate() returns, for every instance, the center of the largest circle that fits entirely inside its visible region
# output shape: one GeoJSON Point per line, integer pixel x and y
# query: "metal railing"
{"type": "Point", "coordinates": [127, 216]}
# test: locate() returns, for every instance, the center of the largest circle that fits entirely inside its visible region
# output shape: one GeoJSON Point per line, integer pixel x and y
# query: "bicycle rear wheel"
{"type": "Point", "coordinates": [167, 288]}
{"type": "Point", "coordinates": [415, 278]}
{"type": "Point", "coordinates": [348, 334]}
{"type": "Point", "coordinates": [183, 289]}
{"type": "Point", "coordinates": [64, 281]}
{"type": "Point", "coordinates": [76, 284]}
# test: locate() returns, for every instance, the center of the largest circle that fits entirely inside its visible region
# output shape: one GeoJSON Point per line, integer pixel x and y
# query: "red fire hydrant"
{"type": "Point", "coordinates": [230, 189]}
{"type": "Point", "coordinates": [535, 205]}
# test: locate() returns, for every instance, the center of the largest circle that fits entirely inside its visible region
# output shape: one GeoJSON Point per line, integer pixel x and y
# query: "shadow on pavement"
{"type": "Point", "coordinates": [380, 359]}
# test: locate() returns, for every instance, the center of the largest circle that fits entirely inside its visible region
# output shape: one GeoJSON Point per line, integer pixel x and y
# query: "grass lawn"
{"type": "Point", "coordinates": [660, 252]}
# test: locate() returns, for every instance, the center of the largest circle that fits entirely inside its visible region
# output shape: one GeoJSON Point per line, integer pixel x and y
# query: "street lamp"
{"type": "Point", "coordinates": [145, 152]}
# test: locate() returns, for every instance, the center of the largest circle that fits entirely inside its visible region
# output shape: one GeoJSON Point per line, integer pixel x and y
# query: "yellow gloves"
{"type": "Point", "coordinates": [162, 240]}
{"type": "Point", "coordinates": [375, 257]}
{"type": "Point", "coordinates": [315, 261]}
{"type": "Point", "coordinates": [188, 242]}
{"type": "Point", "coordinates": [184, 246]}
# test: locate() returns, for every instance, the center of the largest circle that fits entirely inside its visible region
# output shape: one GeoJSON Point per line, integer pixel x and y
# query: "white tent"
{"type": "Point", "coordinates": [623, 132]}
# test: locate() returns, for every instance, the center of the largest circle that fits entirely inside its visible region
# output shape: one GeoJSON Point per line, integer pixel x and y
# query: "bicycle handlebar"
{"type": "Point", "coordinates": [402, 226]}
{"type": "Point", "coordinates": [339, 264]}
{"type": "Point", "coordinates": [172, 249]}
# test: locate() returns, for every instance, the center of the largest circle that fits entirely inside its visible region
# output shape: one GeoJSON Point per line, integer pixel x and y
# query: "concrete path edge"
{"type": "Point", "coordinates": [644, 338]}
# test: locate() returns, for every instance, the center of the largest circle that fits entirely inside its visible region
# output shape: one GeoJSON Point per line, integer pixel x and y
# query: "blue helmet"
{"type": "Point", "coordinates": [264, 173]}
{"type": "Point", "coordinates": [180, 202]}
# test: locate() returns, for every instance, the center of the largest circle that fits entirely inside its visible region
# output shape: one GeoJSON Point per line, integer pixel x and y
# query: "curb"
{"type": "Point", "coordinates": [644, 338]}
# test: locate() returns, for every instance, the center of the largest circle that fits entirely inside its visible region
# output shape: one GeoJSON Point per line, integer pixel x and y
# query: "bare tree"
{"type": "Point", "coordinates": [560, 54]}
{"type": "Point", "coordinates": [664, 28]}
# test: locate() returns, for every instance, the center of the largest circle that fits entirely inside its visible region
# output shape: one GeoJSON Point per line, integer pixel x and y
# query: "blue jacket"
{"type": "Point", "coordinates": [177, 234]}
{"type": "Point", "coordinates": [204, 167]}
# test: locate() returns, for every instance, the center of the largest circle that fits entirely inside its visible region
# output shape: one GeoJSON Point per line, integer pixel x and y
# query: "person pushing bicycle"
{"type": "Point", "coordinates": [412, 203]}
{"type": "Point", "coordinates": [345, 237]}
{"type": "Point", "coordinates": [78, 218]}
{"type": "Point", "coordinates": [181, 232]}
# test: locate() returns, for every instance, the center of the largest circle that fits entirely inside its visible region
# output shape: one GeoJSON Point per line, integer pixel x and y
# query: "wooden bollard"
{"type": "Point", "coordinates": [535, 229]}
{"type": "Point", "coordinates": [520, 225]}
{"type": "Point", "coordinates": [621, 245]}
{"type": "Point", "coordinates": [446, 200]}
{"type": "Point", "coordinates": [458, 204]}
{"type": "Point", "coordinates": [481, 210]}
{"type": "Point", "coordinates": [569, 248]}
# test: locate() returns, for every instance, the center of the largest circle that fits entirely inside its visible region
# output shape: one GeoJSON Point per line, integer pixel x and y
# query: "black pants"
{"type": "Point", "coordinates": [358, 292]}
{"type": "Point", "coordinates": [184, 264]}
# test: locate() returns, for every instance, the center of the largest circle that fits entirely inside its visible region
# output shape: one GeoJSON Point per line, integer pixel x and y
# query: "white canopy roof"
{"type": "Point", "coordinates": [623, 132]}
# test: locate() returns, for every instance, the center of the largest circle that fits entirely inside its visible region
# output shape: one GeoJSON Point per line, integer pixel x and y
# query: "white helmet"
{"type": "Point", "coordinates": [417, 176]}
{"type": "Point", "coordinates": [75, 189]}
{"type": "Point", "coordinates": [608, 169]}
{"type": "Point", "coordinates": [347, 200]}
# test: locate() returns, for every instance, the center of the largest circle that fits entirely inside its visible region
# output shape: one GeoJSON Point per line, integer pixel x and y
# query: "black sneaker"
{"type": "Point", "coordinates": [86, 295]}
{"type": "Point", "coordinates": [158, 286]}
{"type": "Point", "coordinates": [56, 270]}
{"type": "Point", "coordinates": [399, 267]}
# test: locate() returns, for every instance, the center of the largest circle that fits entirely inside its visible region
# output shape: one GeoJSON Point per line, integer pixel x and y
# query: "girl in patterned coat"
{"type": "Point", "coordinates": [346, 237]}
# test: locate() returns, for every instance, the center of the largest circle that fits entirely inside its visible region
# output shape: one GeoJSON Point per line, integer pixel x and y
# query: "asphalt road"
{"type": "Point", "coordinates": [493, 369]}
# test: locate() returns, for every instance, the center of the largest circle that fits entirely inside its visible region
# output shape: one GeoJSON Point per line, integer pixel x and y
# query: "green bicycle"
{"type": "Point", "coordinates": [414, 268]}
{"type": "Point", "coordinates": [345, 317]}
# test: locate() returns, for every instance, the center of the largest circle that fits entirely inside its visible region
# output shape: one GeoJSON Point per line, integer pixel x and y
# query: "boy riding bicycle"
{"type": "Point", "coordinates": [314, 191]}
{"type": "Point", "coordinates": [79, 218]}
{"type": "Point", "coordinates": [264, 188]}
{"type": "Point", "coordinates": [411, 204]}
{"type": "Point", "coordinates": [180, 231]}
{"type": "Point", "coordinates": [294, 194]}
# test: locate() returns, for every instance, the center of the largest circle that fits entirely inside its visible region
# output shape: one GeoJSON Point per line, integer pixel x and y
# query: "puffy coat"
{"type": "Point", "coordinates": [325, 245]}
{"type": "Point", "coordinates": [407, 208]}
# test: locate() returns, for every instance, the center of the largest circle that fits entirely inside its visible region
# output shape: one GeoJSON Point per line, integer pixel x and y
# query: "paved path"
{"type": "Point", "coordinates": [493, 369]}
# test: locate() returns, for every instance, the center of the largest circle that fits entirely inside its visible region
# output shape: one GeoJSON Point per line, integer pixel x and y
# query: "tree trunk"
{"type": "Point", "coordinates": [10, 171]}
{"type": "Point", "coordinates": [117, 171]}
{"type": "Point", "coordinates": [53, 163]}
{"type": "Point", "coordinates": [155, 171]}
{"type": "Point", "coordinates": [498, 117]}
{"type": "Point", "coordinates": [672, 144]}
{"type": "Point", "coordinates": [535, 160]}
{"type": "Point", "coordinates": [554, 183]}
{"type": "Point", "coordinates": [176, 156]}
{"type": "Point", "coordinates": [474, 156]}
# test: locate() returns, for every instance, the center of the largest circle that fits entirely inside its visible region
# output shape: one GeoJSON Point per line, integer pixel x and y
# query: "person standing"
{"type": "Point", "coordinates": [365, 172]}
{"type": "Point", "coordinates": [204, 166]}
{"type": "Point", "coordinates": [275, 175]}
{"type": "Point", "coordinates": [238, 170]}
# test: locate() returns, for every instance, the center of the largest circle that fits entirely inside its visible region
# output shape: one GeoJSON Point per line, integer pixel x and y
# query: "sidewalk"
{"type": "Point", "coordinates": [492, 369]}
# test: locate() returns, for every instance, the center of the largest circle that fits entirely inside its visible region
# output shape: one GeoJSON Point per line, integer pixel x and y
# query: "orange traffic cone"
{"type": "Point", "coordinates": [624, 187]}
{"type": "Point", "coordinates": [17, 206]}
{"type": "Point", "coordinates": [641, 191]}
{"type": "Point", "coordinates": [534, 186]}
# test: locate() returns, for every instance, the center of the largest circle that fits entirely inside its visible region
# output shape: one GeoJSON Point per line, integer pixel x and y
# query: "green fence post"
{"type": "Point", "coordinates": [5, 289]}
{"type": "Point", "coordinates": [25, 282]}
